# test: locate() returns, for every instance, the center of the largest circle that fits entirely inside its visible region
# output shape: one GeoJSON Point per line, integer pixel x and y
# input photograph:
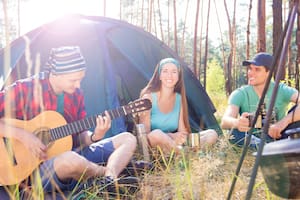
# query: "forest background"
{"type": "Point", "coordinates": [212, 36]}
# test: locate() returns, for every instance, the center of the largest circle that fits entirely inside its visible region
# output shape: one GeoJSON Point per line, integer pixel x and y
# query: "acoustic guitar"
{"type": "Point", "coordinates": [17, 162]}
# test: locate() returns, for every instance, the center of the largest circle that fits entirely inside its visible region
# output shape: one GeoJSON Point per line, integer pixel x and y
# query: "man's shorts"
{"type": "Point", "coordinates": [98, 152]}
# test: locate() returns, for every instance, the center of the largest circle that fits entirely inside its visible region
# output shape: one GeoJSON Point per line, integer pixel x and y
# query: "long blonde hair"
{"type": "Point", "coordinates": [154, 85]}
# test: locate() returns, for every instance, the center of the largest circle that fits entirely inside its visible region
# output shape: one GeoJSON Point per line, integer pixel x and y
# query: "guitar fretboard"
{"type": "Point", "coordinates": [83, 124]}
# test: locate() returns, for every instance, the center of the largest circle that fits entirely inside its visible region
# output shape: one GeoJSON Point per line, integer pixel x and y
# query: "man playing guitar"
{"type": "Point", "coordinates": [58, 89]}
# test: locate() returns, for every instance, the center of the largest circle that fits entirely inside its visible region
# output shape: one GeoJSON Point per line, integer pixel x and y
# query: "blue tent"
{"type": "Point", "coordinates": [120, 59]}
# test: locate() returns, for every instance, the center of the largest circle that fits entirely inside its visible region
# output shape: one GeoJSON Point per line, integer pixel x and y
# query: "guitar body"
{"type": "Point", "coordinates": [17, 162]}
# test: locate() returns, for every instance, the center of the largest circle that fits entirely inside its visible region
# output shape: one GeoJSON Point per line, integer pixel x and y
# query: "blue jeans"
{"type": "Point", "coordinates": [238, 138]}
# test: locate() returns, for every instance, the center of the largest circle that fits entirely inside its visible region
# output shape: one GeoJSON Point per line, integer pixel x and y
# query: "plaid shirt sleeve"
{"type": "Point", "coordinates": [14, 101]}
{"type": "Point", "coordinates": [26, 99]}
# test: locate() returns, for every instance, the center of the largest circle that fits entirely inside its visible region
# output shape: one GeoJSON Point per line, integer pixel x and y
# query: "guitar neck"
{"type": "Point", "coordinates": [83, 124]}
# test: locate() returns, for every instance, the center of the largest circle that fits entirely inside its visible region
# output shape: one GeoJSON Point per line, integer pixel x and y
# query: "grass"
{"type": "Point", "coordinates": [205, 175]}
{"type": "Point", "coordinates": [196, 174]}
{"type": "Point", "coordinates": [193, 175]}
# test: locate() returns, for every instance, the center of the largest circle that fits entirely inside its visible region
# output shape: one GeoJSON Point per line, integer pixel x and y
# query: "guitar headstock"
{"type": "Point", "coordinates": [138, 105]}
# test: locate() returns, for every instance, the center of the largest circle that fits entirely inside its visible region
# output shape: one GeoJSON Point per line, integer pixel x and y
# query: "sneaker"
{"type": "Point", "coordinates": [138, 168]}
{"type": "Point", "coordinates": [127, 185]}
{"type": "Point", "coordinates": [108, 186]}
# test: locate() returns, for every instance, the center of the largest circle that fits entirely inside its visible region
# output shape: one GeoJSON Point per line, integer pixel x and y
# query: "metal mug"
{"type": "Point", "coordinates": [193, 140]}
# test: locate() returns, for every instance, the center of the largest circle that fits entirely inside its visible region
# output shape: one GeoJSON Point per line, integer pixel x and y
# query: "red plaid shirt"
{"type": "Point", "coordinates": [27, 98]}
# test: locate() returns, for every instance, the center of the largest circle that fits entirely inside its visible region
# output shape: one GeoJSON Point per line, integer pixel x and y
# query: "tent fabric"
{"type": "Point", "coordinates": [120, 58]}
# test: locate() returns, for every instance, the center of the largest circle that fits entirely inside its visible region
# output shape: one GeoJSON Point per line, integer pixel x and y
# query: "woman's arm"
{"type": "Point", "coordinates": [181, 125]}
{"type": "Point", "coordinates": [180, 136]}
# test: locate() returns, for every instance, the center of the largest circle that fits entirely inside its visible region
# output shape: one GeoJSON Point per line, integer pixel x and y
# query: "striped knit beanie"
{"type": "Point", "coordinates": [66, 59]}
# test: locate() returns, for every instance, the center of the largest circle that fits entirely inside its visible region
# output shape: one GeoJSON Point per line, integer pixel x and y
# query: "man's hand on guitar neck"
{"type": "Point", "coordinates": [103, 124]}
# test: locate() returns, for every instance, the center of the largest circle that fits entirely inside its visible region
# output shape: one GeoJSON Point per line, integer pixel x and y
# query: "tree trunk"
{"type": "Point", "coordinates": [248, 31]}
{"type": "Point", "coordinates": [149, 26]}
{"type": "Point", "coordinates": [222, 42]}
{"type": "Point", "coordinates": [149, 17]}
{"type": "Point", "coordinates": [277, 25]}
{"type": "Point", "coordinates": [6, 24]}
{"type": "Point", "coordinates": [298, 54]}
{"type": "Point", "coordinates": [168, 22]}
{"type": "Point", "coordinates": [248, 47]}
{"type": "Point", "coordinates": [182, 46]}
{"type": "Point", "coordinates": [160, 23]}
{"type": "Point", "coordinates": [137, 13]}
{"type": "Point", "coordinates": [142, 14]}
{"type": "Point", "coordinates": [6, 62]}
{"type": "Point", "coordinates": [261, 25]}
{"type": "Point", "coordinates": [175, 27]}
{"type": "Point", "coordinates": [19, 19]}
{"type": "Point", "coordinates": [104, 8]}
{"type": "Point", "coordinates": [154, 17]}
{"type": "Point", "coordinates": [233, 38]}
{"type": "Point", "coordinates": [206, 47]}
{"type": "Point", "coordinates": [228, 80]}
{"type": "Point", "coordinates": [195, 41]}
{"type": "Point", "coordinates": [120, 10]}
{"type": "Point", "coordinates": [200, 42]}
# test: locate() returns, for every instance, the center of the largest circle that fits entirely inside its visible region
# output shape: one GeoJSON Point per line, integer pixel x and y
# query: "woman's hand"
{"type": "Point", "coordinates": [179, 137]}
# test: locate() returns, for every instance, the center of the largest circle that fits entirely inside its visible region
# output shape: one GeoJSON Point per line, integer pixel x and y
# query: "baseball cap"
{"type": "Point", "coordinates": [260, 59]}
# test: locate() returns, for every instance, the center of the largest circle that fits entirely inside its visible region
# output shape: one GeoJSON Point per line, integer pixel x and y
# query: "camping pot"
{"type": "Point", "coordinates": [280, 165]}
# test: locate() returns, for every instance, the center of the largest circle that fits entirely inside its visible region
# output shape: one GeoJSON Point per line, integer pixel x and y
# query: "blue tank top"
{"type": "Point", "coordinates": [167, 122]}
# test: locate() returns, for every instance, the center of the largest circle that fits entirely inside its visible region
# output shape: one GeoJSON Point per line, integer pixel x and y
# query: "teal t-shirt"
{"type": "Point", "coordinates": [167, 122]}
{"type": "Point", "coordinates": [247, 100]}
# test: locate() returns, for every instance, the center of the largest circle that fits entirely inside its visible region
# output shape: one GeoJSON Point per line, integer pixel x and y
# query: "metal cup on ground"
{"type": "Point", "coordinates": [193, 140]}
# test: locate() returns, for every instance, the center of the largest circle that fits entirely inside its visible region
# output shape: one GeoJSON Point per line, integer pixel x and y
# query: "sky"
{"type": "Point", "coordinates": [37, 12]}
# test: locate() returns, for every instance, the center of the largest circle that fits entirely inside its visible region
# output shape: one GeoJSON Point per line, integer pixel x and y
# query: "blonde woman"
{"type": "Point", "coordinates": [167, 122]}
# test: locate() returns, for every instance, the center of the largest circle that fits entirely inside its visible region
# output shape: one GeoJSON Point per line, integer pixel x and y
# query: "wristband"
{"type": "Point", "coordinates": [91, 137]}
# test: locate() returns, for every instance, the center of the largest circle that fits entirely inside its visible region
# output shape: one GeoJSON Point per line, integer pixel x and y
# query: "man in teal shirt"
{"type": "Point", "coordinates": [243, 103]}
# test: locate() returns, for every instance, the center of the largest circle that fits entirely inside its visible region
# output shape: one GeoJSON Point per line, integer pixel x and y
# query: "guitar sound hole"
{"type": "Point", "coordinates": [43, 134]}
